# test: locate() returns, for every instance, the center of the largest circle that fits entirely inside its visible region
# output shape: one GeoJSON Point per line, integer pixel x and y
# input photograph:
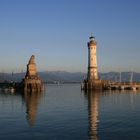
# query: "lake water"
{"type": "Point", "coordinates": [63, 112]}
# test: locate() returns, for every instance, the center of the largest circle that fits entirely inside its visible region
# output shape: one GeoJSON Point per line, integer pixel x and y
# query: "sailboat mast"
{"type": "Point", "coordinates": [131, 78]}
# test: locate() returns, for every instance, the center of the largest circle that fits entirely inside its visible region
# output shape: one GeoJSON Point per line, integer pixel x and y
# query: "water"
{"type": "Point", "coordinates": [63, 112]}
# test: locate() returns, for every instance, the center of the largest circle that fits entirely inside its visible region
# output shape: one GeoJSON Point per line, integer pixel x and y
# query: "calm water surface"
{"type": "Point", "coordinates": [65, 113]}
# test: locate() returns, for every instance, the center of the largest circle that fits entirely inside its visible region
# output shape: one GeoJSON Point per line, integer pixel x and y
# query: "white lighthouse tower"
{"type": "Point", "coordinates": [92, 82]}
{"type": "Point", "coordinates": [92, 60]}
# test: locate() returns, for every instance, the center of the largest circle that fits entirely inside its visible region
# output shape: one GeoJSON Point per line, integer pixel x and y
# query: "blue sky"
{"type": "Point", "coordinates": [57, 31]}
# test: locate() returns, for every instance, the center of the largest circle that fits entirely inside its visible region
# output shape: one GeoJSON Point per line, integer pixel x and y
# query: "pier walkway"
{"type": "Point", "coordinates": [123, 86]}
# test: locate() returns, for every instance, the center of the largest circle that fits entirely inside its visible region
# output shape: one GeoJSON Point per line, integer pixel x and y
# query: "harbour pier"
{"type": "Point", "coordinates": [92, 82]}
{"type": "Point", "coordinates": [30, 83]}
{"type": "Point", "coordinates": [123, 86]}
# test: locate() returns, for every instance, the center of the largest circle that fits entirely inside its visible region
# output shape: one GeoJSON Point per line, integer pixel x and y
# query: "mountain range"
{"type": "Point", "coordinates": [69, 77]}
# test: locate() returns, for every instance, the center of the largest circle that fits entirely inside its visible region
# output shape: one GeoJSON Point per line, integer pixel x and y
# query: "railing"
{"type": "Point", "coordinates": [124, 83]}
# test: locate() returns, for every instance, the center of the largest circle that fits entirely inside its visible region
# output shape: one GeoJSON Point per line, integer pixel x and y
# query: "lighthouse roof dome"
{"type": "Point", "coordinates": [92, 41]}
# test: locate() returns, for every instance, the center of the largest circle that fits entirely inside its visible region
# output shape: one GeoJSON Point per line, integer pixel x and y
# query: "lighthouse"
{"type": "Point", "coordinates": [92, 60]}
{"type": "Point", "coordinates": [92, 82]}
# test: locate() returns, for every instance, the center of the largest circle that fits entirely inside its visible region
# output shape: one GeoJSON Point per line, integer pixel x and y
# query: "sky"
{"type": "Point", "coordinates": [57, 32]}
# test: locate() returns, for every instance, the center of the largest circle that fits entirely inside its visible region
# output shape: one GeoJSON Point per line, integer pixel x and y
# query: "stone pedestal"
{"type": "Point", "coordinates": [32, 82]}
{"type": "Point", "coordinates": [92, 85]}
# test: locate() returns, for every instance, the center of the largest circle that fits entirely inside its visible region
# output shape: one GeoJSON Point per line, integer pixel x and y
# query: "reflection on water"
{"type": "Point", "coordinates": [119, 100]}
{"type": "Point", "coordinates": [32, 101]}
{"type": "Point", "coordinates": [93, 99]}
{"type": "Point", "coordinates": [64, 113]}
